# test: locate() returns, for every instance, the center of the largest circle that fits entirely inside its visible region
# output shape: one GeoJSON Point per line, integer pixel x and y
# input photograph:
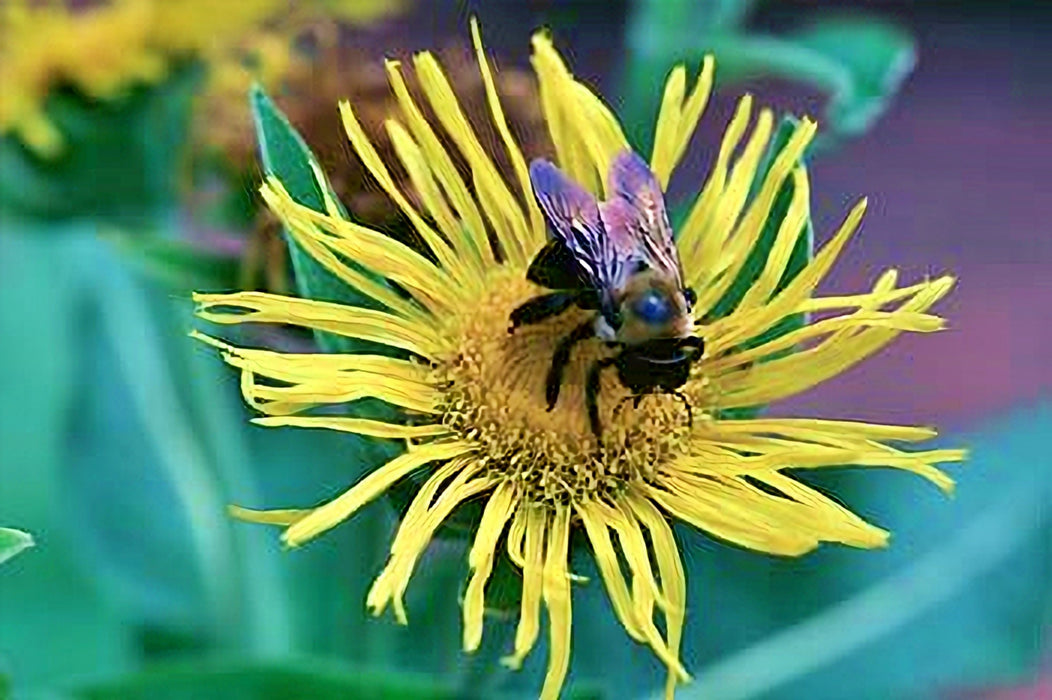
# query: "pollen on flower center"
{"type": "Point", "coordinates": [494, 395]}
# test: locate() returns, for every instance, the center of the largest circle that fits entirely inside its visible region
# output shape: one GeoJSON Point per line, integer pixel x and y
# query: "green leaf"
{"type": "Point", "coordinates": [12, 542]}
{"type": "Point", "coordinates": [861, 62]}
{"type": "Point", "coordinates": [288, 158]}
{"type": "Point", "coordinates": [180, 266]}
{"type": "Point", "coordinates": [121, 160]}
{"type": "Point", "coordinates": [41, 303]}
{"type": "Point", "coordinates": [878, 58]}
{"type": "Point", "coordinates": [246, 680]}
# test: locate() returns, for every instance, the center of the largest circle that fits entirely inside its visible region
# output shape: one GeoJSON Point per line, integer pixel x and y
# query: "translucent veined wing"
{"type": "Point", "coordinates": [572, 214]}
{"type": "Point", "coordinates": [635, 218]}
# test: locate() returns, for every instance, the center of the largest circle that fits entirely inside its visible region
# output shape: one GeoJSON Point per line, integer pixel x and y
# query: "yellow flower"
{"type": "Point", "coordinates": [106, 49]}
{"type": "Point", "coordinates": [474, 414]}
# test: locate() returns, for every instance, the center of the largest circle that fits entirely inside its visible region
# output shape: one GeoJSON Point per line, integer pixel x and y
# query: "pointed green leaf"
{"type": "Point", "coordinates": [287, 157]}
{"type": "Point", "coordinates": [12, 542]}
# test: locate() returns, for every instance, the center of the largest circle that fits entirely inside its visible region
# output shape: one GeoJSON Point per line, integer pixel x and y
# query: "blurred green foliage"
{"type": "Point", "coordinates": [122, 160]}
{"type": "Point", "coordinates": [859, 60]}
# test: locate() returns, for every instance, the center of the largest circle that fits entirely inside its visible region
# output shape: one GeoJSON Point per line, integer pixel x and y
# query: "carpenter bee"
{"type": "Point", "coordinates": [617, 258]}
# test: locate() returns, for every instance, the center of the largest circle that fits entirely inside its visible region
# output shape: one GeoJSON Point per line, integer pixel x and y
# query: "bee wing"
{"type": "Point", "coordinates": [635, 215]}
{"type": "Point", "coordinates": [572, 214]}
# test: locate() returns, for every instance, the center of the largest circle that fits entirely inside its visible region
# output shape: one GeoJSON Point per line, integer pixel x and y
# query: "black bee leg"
{"type": "Point", "coordinates": [591, 393]}
{"type": "Point", "coordinates": [693, 341]}
{"type": "Point", "coordinates": [686, 405]}
{"type": "Point", "coordinates": [637, 399]}
{"type": "Point", "coordinates": [541, 307]}
{"type": "Point", "coordinates": [561, 357]}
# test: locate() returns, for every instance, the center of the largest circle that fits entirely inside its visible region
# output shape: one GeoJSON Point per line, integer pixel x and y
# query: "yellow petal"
{"type": "Point", "coordinates": [610, 568]}
{"type": "Point", "coordinates": [678, 119]}
{"type": "Point", "coordinates": [785, 376]}
{"type": "Point", "coordinates": [372, 249]}
{"type": "Point", "coordinates": [673, 578]}
{"type": "Point", "coordinates": [500, 206]}
{"type": "Point", "coordinates": [412, 539]}
{"type": "Point", "coordinates": [466, 264]}
{"type": "Point", "coordinates": [375, 164]}
{"type": "Point", "coordinates": [739, 244]}
{"type": "Point", "coordinates": [359, 426]}
{"type": "Point", "coordinates": [556, 590]}
{"type": "Point", "coordinates": [460, 197]}
{"type": "Point", "coordinates": [284, 517]}
{"type": "Point", "coordinates": [533, 576]}
{"type": "Point", "coordinates": [789, 232]}
{"type": "Point", "coordinates": [348, 321]}
{"type": "Point", "coordinates": [329, 515]}
{"type": "Point", "coordinates": [537, 227]}
{"type": "Point", "coordinates": [697, 242]}
{"type": "Point", "coordinates": [494, 518]}
{"type": "Point", "coordinates": [731, 516]}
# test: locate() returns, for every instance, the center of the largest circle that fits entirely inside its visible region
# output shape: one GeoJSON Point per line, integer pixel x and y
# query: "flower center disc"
{"type": "Point", "coordinates": [495, 397]}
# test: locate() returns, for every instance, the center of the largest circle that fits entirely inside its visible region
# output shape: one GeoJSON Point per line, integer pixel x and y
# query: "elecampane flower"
{"type": "Point", "coordinates": [471, 396]}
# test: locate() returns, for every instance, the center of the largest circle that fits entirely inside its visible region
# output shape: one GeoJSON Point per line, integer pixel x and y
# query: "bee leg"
{"type": "Point", "coordinates": [693, 341]}
{"type": "Point", "coordinates": [561, 357]}
{"type": "Point", "coordinates": [541, 307]}
{"type": "Point", "coordinates": [591, 393]}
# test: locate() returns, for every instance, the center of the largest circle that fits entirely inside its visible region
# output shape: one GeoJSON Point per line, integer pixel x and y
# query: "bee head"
{"type": "Point", "coordinates": [653, 307]}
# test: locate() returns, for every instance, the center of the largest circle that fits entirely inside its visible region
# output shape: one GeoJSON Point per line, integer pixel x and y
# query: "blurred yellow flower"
{"type": "Point", "coordinates": [473, 404]}
{"type": "Point", "coordinates": [106, 48]}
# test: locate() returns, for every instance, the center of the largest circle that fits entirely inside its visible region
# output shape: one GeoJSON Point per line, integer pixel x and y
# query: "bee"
{"type": "Point", "coordinates": [617, 258]}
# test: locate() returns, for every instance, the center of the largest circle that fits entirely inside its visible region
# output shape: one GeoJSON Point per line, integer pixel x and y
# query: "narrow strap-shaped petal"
{"type": "Point", "coordinates": [412, 539]}
{"type": "Point", "coordinates": [749, 323]}
{"type": "Point", "coordinates": [533, 576]}
{"type": "Point", "coordinates": [518, 162]}
{"type": "Point", "coordinates": [503, 211]}
{"type": "Point", "coordinates": [460, 197]}
{"type": "Point", "coordinates": [329, 515]}
{"type": "Point", "coordinates": [678, 117]}
{"type": "Point", "coordinates": [697, 241]}
{"type": "Point", "coordinates": [372, 249]}
{"type": "Point", "coordinates": [358, 426]}
{"type": "Point", "coordinates": [673, 578]}
{"type": "Point", "coordinates": [720, 513]}
{"type": "Point", "coordinates": [645, 588]}
{"type": "Point", "coordinates": [789, 232]}
{"type": "Point", "coordinates": [372, 160]}
{"type": "Point", "coordinates": [785, 376]}
{"type": "Point", "coordinates": [495, 517]}
{"type": "Point", "coordinates": [556, 589]}
{"type": "Point", "coordinates": [466, 263]}
{"type": "Point", "coordinates": [747, 232]}
{"type": "Point", "coordinates": [606, 559]}
{"type": "Point", "coordinates": [910, 321]}
{"type": "Point", "coordinates": [349, 321]}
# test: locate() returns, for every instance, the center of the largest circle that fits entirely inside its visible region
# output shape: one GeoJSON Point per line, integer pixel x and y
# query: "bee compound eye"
{"type": "Point", "coordinates": [691, 296]}
{"type": "Point", "coordinates": [652, 307]}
